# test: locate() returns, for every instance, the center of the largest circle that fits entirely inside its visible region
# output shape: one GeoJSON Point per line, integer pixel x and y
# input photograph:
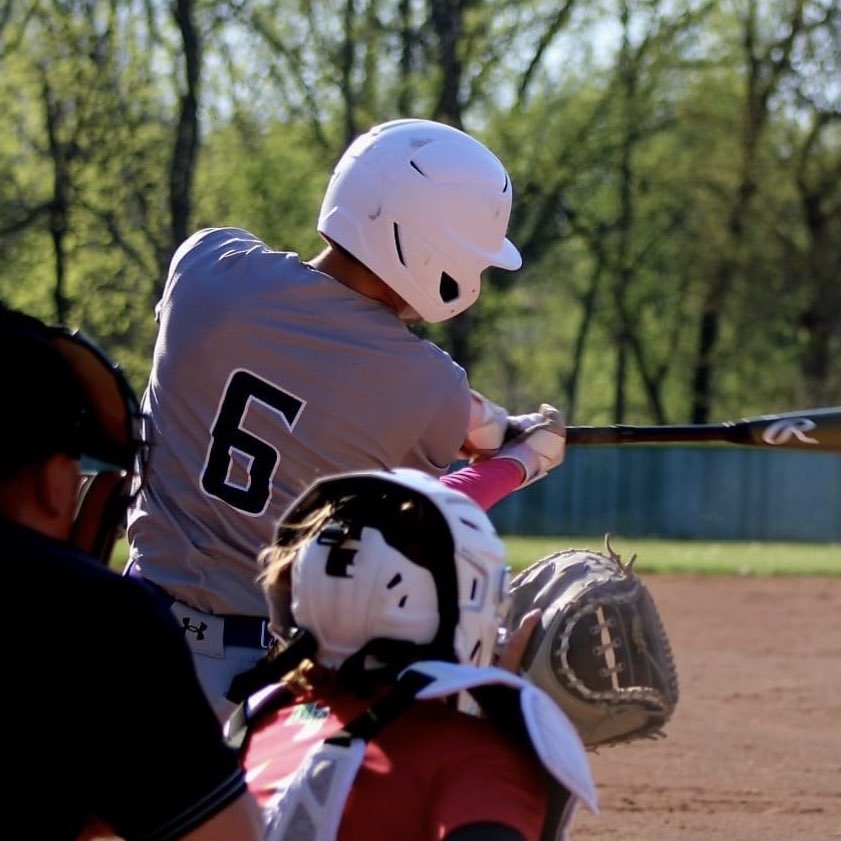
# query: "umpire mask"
{"type": "Point", "coordinates": [73, 399]}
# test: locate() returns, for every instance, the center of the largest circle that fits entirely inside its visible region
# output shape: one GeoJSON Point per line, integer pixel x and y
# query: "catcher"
{"type": "Point", "coordinates": [389, 720]}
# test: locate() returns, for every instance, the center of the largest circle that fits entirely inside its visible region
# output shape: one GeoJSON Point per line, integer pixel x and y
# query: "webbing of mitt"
{"type": "Point", "coordinates": [601, 650]}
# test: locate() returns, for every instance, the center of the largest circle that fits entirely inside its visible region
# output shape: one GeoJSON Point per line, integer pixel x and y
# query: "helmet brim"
{"type": "Point", "coordinates": [509, 257]}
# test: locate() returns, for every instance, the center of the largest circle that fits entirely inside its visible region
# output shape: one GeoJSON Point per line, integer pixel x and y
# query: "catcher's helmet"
{"type": "Point", "coordinates": [401, 568]}
{"type": "Point", "coordinates": [426, 208]}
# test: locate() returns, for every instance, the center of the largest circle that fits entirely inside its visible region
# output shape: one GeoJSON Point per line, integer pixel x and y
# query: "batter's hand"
{"type": "Point", "coordinates": [540, 447]}
{"type": "Point", "coordinates": [486, 428]}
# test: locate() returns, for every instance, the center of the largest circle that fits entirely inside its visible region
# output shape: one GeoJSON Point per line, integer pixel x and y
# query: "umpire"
{"type": "Point", "coordinates": [88, 646]}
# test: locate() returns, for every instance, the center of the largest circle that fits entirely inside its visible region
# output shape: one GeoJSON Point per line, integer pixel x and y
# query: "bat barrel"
{"type": "Point", "coordinates": [818, 430]}
{"type": "Point", "coordinates": [624, 434]}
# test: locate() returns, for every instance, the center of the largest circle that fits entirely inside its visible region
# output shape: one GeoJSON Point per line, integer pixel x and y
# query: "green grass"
{"type": "Point", "coordinates": [119, 556]}
{"type": "Point", "coordinates": [694, 556]}
{"type": "Point", "coordinates": [673, 556]}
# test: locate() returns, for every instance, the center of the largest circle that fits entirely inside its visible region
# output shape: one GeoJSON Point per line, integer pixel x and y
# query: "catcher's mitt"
{"type": "Point", "coordinates": [600, 650]}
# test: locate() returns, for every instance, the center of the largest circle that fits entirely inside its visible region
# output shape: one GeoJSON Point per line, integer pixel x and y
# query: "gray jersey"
{"type": "Point", "coordinates": [266, 375]}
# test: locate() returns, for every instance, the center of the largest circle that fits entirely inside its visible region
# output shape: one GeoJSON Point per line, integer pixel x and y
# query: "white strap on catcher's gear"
{"type": "Point", "coordinates": [311, 806]}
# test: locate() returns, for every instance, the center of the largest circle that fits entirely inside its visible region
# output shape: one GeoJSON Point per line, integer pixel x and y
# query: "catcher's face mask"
{"type": "Point", "coordinates": [403, 559]}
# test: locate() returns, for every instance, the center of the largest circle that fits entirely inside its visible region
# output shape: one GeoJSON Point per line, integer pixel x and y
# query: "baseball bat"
{"type": "Point", "coordinates": [810, 429]}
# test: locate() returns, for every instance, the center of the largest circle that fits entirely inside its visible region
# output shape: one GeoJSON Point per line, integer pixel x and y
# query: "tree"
{"type": "Point", "coordinates": [675, 171]}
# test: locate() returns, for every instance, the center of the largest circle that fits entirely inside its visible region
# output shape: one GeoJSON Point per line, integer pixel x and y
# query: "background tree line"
{"type": "Point", "coordinates": [676, 165]}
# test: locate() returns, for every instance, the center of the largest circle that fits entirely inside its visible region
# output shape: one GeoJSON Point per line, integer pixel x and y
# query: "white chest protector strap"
{"type": "Point", "coordinates": [311, 806]}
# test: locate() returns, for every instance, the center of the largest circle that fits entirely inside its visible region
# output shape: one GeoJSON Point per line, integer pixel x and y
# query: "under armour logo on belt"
{"type": "Point", "coordinates": [198, 630]}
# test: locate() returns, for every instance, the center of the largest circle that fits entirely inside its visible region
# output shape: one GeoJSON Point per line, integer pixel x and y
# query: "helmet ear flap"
{"type": "Point", "coordinates": [428, 266]}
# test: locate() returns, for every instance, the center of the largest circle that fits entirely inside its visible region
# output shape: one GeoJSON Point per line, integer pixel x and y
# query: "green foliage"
{"type": "Point", "coordinates": [267, 178]}
{"type": "Point", "coordinates": [662, 174]}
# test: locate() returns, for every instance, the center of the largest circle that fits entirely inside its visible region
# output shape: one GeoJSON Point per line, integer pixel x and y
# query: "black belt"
{"type": "Point", "coordinates": [246, 631]}
{"type": "Point", "coordinates": [237, 630]}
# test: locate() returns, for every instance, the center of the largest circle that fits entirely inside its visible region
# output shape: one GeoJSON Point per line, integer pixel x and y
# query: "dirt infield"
{"type": "Point", "coordinates": [753, 752]}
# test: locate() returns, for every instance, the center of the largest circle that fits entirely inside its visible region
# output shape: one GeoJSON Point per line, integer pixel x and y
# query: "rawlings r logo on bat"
{"type": "Point", "coordinates": [781, 432]}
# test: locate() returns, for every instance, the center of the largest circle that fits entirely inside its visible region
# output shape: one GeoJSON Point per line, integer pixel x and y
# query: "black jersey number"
{"type": "Point", "coordinates": [228, 436]}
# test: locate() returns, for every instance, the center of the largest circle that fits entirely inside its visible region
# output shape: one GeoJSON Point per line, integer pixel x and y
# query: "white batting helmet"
{"type": "Point", "coordinates": [426, 208]}
{"type": "Point", "coordinates": [404, 569]}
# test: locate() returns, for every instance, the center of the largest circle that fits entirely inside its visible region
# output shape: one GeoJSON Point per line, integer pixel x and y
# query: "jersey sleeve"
{"type": "Point", "coordinates": [197, 246]}
{"type": "Point", "coordinates": [159, 765]}
{"type": "Point", "coordinates": [439, 443]}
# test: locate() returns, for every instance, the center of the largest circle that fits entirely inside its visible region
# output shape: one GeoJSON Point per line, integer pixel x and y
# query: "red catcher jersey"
{"type": "Point", "coordinates": [427, 773]}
